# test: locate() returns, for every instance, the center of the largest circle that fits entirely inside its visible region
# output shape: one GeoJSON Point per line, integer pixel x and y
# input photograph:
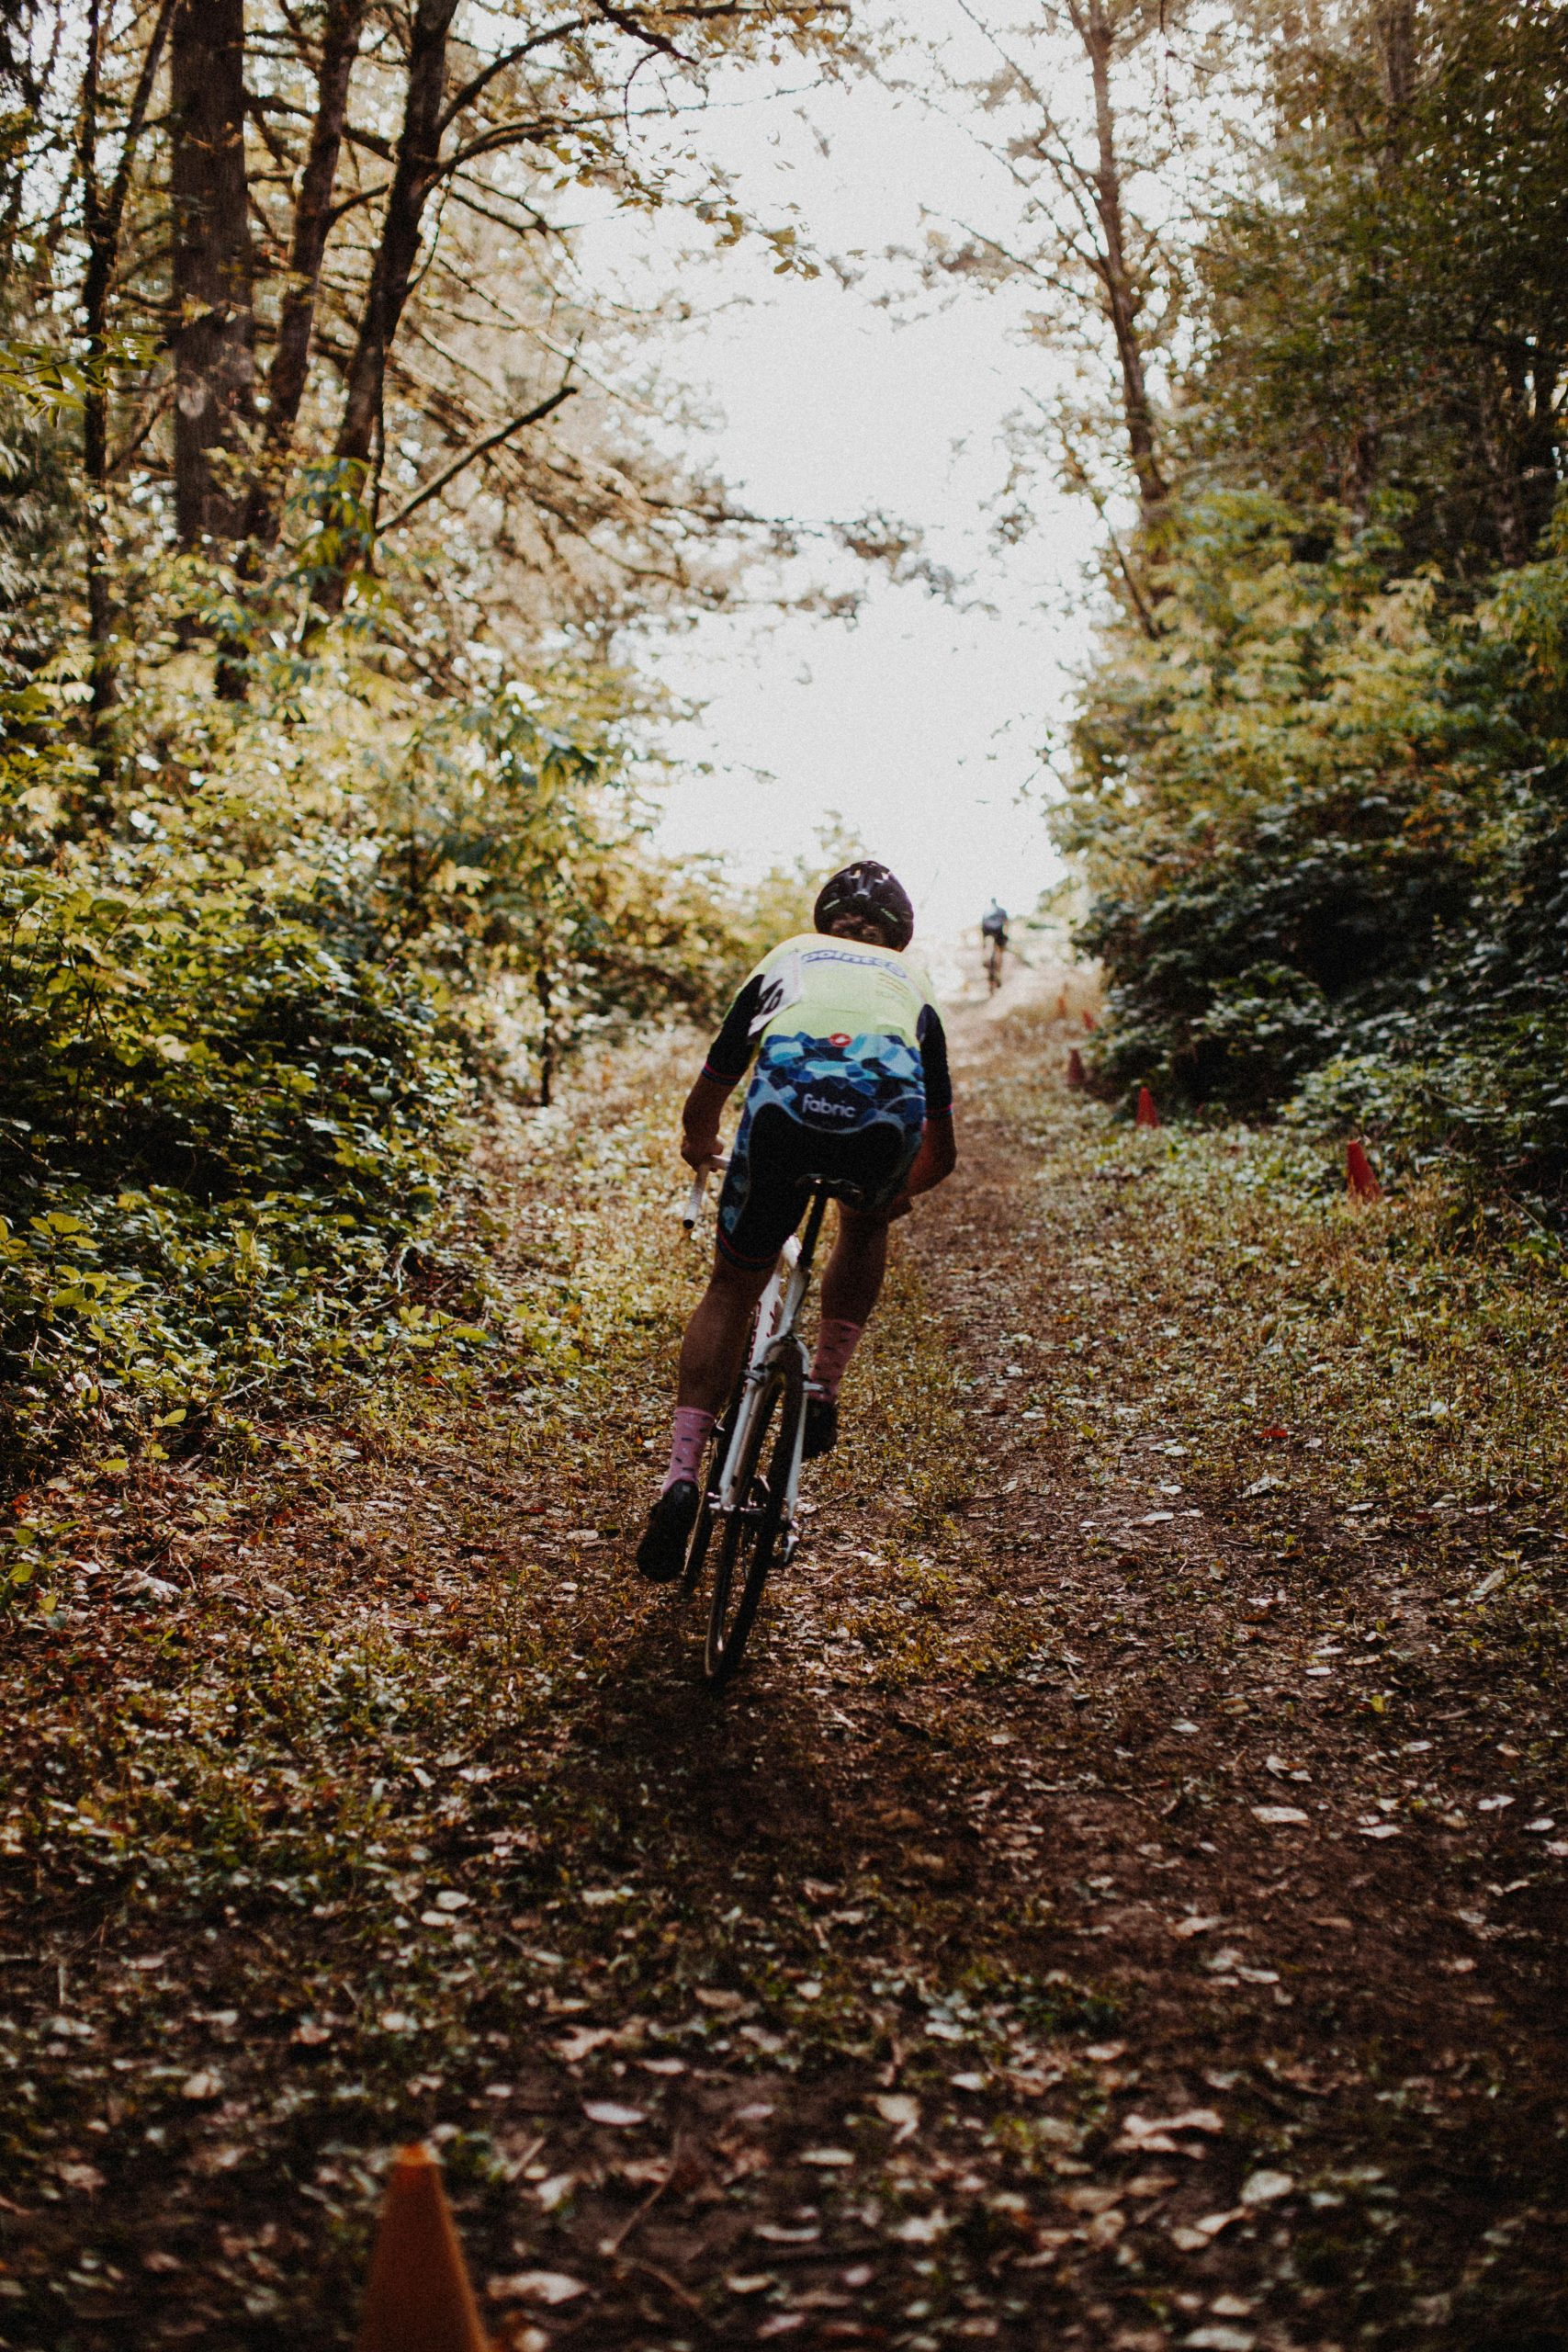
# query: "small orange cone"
{"type": "Point", "coordinates": [1147, 1113]}
{"type": "Point", "coordinates": [1361, 1180]}
{"type": "Point", "coordinates": [1074, 1066]}
{"type": "Point", "coordinates": [1087, 1018]}
{"type": "Point", "coordinates": [1060, 1004]}
{"type": "Point", "coordinates": [419, 2299]}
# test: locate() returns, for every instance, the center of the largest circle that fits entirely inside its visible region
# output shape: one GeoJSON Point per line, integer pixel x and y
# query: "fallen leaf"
{"type": "Point", "coordinates": [609, 2110]}
{"type": "Point", "coordinates": [921, 2229]}
{"type": "Point", "coordinates": [575, 2046]}
{"type": "Point", "coordinates": [1262, 2188]}
{"type": "Point", "coordinates": [83, 2177]}
{"type": "Point", "coordinates": [826, 2157]}
{"type": "Point", "coordinates": [537, 2287]}
{"type": "Point", "coordinates": [1190, 2236]}
{"type": "Point", "coordinates": [1196, 1925]}
{"type": "Point", "coordinates": [895, 2108]}
{"type": "Point", "coordinates": [1278, 1816]}
{"type": "Point", "coordinates": [201, 2085]}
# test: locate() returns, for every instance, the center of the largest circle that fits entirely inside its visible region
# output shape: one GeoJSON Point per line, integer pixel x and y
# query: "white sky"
{"type": "Point", "coordinates": [920, 724]}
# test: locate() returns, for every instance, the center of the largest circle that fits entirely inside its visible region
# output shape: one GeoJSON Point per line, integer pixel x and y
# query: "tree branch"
{"type": "Point", "coordinates": [478, 448]}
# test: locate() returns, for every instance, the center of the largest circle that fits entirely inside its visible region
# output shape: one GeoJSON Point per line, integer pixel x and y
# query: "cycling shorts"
{"type": "Point", "coordinates": [851, 1111]}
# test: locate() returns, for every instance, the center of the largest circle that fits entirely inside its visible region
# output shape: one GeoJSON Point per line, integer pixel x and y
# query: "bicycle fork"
{"type": "Point", "coordinates": [774, 1333]}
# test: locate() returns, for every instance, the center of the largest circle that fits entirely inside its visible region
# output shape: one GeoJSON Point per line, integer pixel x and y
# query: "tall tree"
{"type": "Point", "coordinates": [213, 269]}
{"type": "Point", "coordinates": [342, 29]}
{"type": "Point", "coordinates": [1090, 112]}
{"type": "Point", "coordinates": [1419, 169]}
{"type": "Point", "coordinates": [415, 173]}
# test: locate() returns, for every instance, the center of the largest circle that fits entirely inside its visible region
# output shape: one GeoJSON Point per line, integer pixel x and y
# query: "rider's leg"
{"type": "Point", "coordinates": [715, 1344]}
{"type": "Point", "coordinates": [711, 1355]}
{"type": "Point", "coordinates": [849, 1289]}
{"type": "Point", "coordinates": [852, 1278]}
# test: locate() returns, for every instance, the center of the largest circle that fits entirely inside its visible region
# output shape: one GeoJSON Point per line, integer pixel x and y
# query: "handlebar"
{"type": "Point", "coordinates": [693, 1207]}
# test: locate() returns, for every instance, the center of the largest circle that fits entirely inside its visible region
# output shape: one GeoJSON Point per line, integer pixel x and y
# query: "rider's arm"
{"type": "Point", "coordinates": [937, 1156]}
{"type": "Point", "coordinates": [728, 1058]}
{"type": "Point", "coordinates": [700, 1118]}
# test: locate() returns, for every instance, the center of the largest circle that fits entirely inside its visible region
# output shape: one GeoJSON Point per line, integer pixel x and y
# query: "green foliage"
{"type": "Point", "coordinates": [1317, 791]}
{"type": "Point", "coordinates": [1385, 314]}
{"type": "Point", "coordinates": [251, 984]}
{"type": "Point", "coordinates": [1327, 823]}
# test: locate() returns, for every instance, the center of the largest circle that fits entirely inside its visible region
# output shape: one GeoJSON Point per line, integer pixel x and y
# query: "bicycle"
{"type": "Point", "coordinates": [756, 1510]}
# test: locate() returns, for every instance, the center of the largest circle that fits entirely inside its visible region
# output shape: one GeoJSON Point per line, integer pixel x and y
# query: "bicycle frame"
{"type": "Point", "coordinates": [773, 1331]}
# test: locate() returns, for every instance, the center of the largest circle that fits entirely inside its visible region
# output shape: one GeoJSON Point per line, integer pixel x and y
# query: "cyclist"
{"type": "Point", "coordinates": [994, 932]}
{"type": "Point", "coordinates": [851, 1083]}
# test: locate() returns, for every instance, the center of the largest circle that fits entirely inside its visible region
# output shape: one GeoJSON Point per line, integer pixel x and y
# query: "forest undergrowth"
{"type": "Point", "coordinates": [1122, 1897]}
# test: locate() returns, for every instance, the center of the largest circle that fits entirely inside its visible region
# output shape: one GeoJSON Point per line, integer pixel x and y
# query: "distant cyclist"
{"type": "Point", "coordinates": [851, 1083]}
{"type": "Point", "coordinates": [994, 932]}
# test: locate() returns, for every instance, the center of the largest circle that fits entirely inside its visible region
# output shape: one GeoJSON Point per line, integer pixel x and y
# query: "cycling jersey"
{"type": "Point", "coordinates": [840, 994]}
{"type": "Point", "coordinates": [852, 1061]}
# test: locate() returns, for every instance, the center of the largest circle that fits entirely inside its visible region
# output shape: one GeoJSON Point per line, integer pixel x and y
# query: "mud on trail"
{"type": "Point", "coordinates": [1120, 1903]}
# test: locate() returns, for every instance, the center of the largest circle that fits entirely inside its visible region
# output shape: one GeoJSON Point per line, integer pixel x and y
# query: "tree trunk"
{"type": "Point", "coordinates": [545, 995]}
{"type": "Point", "coordinates": [417, 169]}
{"type": "Point", "coordinates": [214, 335]}
{"type": "Point", "coordinates": [102, 215]}
{"type": "Point", "coordinates": [1122, 300]}
{"type": "Point", "coordinates": [1395, 31]}
{"type": "Point", "coordinates": [341, 32]}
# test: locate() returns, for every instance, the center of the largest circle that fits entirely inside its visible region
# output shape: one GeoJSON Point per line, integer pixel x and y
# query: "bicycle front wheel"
{"type": "Point", "coordinates": [752, 1533]}
{"type": "Point", "coordinates": [710, 1481]}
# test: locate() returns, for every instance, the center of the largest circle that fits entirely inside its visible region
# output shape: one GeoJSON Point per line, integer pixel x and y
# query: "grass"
{"type": "Point", "coordinates": [354, 1788]}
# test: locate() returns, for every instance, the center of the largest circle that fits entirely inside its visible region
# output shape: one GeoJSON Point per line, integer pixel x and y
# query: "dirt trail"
{"type": "Point", "coordinates": [1027, 1951]}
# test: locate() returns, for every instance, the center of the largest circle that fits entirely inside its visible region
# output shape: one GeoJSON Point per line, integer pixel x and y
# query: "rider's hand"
{"type": "Point", "coordinates": [699, 1151]}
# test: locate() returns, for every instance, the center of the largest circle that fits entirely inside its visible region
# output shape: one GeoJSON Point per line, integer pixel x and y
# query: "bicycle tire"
{"type": "Point", "coordinates": [751, 1535]}
{"type": "Point", "coordinates": [709, 1480]}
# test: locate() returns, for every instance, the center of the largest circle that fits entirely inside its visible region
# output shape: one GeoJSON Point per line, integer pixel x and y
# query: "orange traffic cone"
{"type": "Point", "coordinates": [419, 2299]}
{"type": "Point", "coordinates": [1060, 1004]}
{"type": "Point", "coordinates": [1147, 1113]}
{"type": "Point", "coordinates": [1074, 1066]}
{"type": "Point", "coordinates": [1360, 1178]}
{"type": "Point", "coordinates": [1087, 1018]}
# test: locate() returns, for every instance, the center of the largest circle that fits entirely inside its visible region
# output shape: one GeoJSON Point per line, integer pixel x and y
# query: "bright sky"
{"type": "Point", "coordinates": [921, 724]}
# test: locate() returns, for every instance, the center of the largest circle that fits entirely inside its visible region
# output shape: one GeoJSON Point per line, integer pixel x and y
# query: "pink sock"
{"type": "Point", "coordinates": [836, 1343]}
{"type": "Point", "coordinates": [693, 1429]}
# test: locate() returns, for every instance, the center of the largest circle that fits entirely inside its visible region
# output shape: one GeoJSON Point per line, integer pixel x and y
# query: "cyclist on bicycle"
{"type": "Point", "coordinates": [851, 1083]}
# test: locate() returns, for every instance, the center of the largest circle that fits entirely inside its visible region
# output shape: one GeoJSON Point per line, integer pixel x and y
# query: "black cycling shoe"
{"type": "Point", "coordinates": [661, 1554]}
{"type": "Point", "coordinates": [821, 1428]}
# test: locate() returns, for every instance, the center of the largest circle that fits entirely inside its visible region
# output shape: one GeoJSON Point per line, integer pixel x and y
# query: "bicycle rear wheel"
{"type": "Point", "coordinates": [750, 1540]}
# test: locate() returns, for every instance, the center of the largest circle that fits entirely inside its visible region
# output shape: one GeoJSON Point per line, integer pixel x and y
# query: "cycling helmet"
{"type": "Point", "coordinates": [868, 890]}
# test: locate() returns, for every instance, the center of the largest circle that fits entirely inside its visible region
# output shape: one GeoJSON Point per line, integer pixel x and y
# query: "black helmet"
{"type": "Point", "coordinates": [868, 890]}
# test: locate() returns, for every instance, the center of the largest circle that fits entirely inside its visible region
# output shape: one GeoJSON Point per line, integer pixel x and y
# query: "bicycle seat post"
{"type": "Point", "coordinates": [813, 1223]}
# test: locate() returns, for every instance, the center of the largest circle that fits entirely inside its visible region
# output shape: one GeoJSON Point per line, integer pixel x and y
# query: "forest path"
{"type": "Point", "coordinates": [1088, 1920]}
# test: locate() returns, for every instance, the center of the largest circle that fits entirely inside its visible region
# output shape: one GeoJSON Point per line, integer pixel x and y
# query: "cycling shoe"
{"type": "Point", "coordinates": [661, 1554]}
{"type": "Point", "coordinates": [821, 1428]}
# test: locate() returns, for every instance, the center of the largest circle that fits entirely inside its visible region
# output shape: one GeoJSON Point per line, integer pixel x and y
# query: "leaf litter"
{"type": "Point", "coordinates": [867, 1998]}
